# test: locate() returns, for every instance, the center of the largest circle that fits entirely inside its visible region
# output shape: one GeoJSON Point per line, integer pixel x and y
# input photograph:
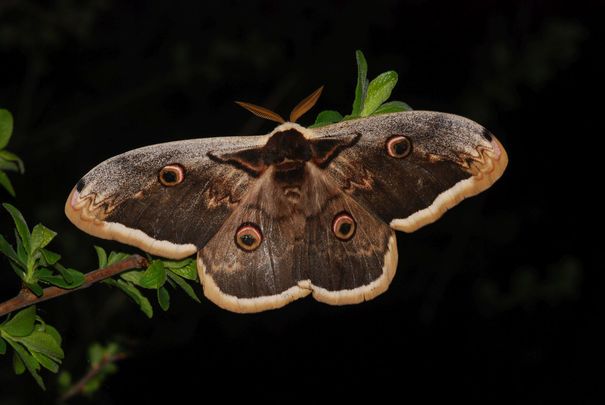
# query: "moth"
{"type": "Point", "coordinates": [297, 211]}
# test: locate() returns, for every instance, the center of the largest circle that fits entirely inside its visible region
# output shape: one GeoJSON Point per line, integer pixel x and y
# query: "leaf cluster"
{"type": "Point", "coordinates": [158, 276]}
{"type": "Point", "coordinates": [8, 160]}
{"type": "Point", "coordinates": [370, 97]}
{"type": "Point", "coordinates": [31, 261]}
{"type": "Point", "coordinates": [35, 343]}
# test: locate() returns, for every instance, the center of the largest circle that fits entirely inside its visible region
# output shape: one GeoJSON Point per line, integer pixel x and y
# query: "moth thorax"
{"type": "Point", "coordinates": [284, 146]}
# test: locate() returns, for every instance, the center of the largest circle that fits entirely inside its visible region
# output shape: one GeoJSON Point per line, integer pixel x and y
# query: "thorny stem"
{"type": "Point", "coordinates": [26, 298]}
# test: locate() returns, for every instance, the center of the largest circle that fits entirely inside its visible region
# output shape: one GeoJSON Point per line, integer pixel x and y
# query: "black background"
{"type": "Point", "coordinates": [495, 302]}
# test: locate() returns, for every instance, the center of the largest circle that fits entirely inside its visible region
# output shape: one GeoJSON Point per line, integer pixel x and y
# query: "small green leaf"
{"type": "Point", "coordinates": [22, 324]}
{"type": "Point", "coordinates": [35, 288]}
{"type": "Point", "coordinates": [6, 183]}
{"type": "Point", "coordinates": [362, 83]}
{"type": "Point", "coordinates": [134, 276]}
{"type": "Point", "coordinates": [134, 294]}
{"type": "Point", "coordinates": [42, 342]}
{"type": "Point", "coordinates": [64, 380]}
{"type": "Point", "coordinates": [21, 251]}
{"type": "Point", "coordinates": [164, 298]}
{"type": "Point", "coordinates": [20, 224]}
{"type": "Point", "coordinates": [379, 91]}
{"type": "Point", "coordinates": [391, 107]}
{"type": "Point", "coordinates": [53, 333]}
{"type": "Point", "coordinates": [6, 127]}
{"type": "Point", "coordinates": [11, 157]}
{"type": "Point", "coordinates": [188, 271]}
{"type": "Point", "coordinates": [155, 275]}
{"type": "Point", "coordinates": [96, 352]}
{"type": "Point", "coordinates": [31, 364]}
{"type": "Point", "coordinates": [40, 237]}
{"type": "Point", "coordinates": [18, 365]}
{"type": "Point", "coordinates": [7, 249]}
{"type": "Point", "coordinates": [184, 286]}
{"type": "Point", "coordinates": [73, 277]}
{"type": "Point", "coordinates": [2, 346]}
{"type": "Point", "coordinates": [46, 361]}
{"type": "Point", "coordinates": [326, 117]}
{"type": "Point", "coordinates": [115, 257]}
{"type": "Point", "coordinates": [49, 257]}
{"type": "Point", "coordinates": [102, 256]}
{"type": "Point", "coordinates": [8, 166]}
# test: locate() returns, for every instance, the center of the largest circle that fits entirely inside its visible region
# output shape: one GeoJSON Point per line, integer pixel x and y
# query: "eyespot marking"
{"type": "Point", "coordinates": [399, 146]}
{"type": "Point", "coordinates": [171, 175]}
{"type": "Point", "coordinates": [248, 237]}
{"type": "Point", "coordinates": [344, 226]}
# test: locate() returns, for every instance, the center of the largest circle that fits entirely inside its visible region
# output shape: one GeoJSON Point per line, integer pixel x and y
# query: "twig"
{"type": "Point", "coordinates": [78, 387]}
{"type": "Point", "coordinates": [26, 297]}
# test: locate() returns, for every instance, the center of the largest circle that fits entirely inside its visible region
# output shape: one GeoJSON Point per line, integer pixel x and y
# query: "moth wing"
{"type": "Point", "coordinates": [299, 253]}
{"type": "Point", "coordinates": [123, 198]}
{"type": "Point", "coordinates": [451, 158]}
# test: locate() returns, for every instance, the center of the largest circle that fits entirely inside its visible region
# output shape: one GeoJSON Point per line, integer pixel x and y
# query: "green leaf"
{"type": "Point", "coordinates": [7, 249]}
{"type": "Point", "coordinates": [391, 107]}
{"type": "Point", "coordinates": [49, 257]}
{"type": "Point", "coordinates": [64, 380]}
{"type": "Point", "coordinates": [102, 256]}
{"type": "Point", "coordinates": [48, 329]}
{"type": "Point", "coordinates": [2, 346]}
{"type": "Point", "coordinates": [134, 294]}
{"type": "Point", "coordinates": [164, 298]}
{"type": "Point", "coordinates": [8, 166]}
{"type": "Point", "coordinates": [46, 361]}
{"type": "Point", "coordinates": [18, 365]}
{"type": "Point", "coordinates": [40, 237]}
{"type": "Point", "coordinates": [20, 224]}
{"type": "Point", "coordinates": [11, 157]}
{"type": "Point", "coordinates": [155, 275]}
{"type": "Point", "coordinates": [31, 364]}
{"type": "Point", "coordinates": [42, 342]}
{"type": "Point", "coordinates": [6, 183]}
{"type": "Point", "coordinates": [22, 324]}
{"type": "Point", "coordinates": [53, 333]}
{"type": "Point", "coordinates": [35, 288]}
{"type": "Point", "coordinates": [379, 91]}
{"type": "Point", "coordinates": [6, 127]}
{"type": "Point", "coordinates": [21, 252]}
{"type": "Point", "coordinates": [96, 352]}
{"type": "Point", "coordinates": [184, 286]}
{"type": "Point", "coordinates": [362, 83]}
{"type": "Point", "coordinates": [188, 271]}
{"type": "Point", "coordinates": [134, 276]}
{"type": "Point", "coordinates": [115, 257]}
{"type": "Point", "coordinates": [72, 277]}
{"type": "Point", "coordinates": [326, 117]}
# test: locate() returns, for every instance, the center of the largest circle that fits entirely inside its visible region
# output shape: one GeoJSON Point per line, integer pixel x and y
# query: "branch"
{"type": "Point", "coordinates": [26, 298]}
{"type": "Point", "coordinates": [78, 387]}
